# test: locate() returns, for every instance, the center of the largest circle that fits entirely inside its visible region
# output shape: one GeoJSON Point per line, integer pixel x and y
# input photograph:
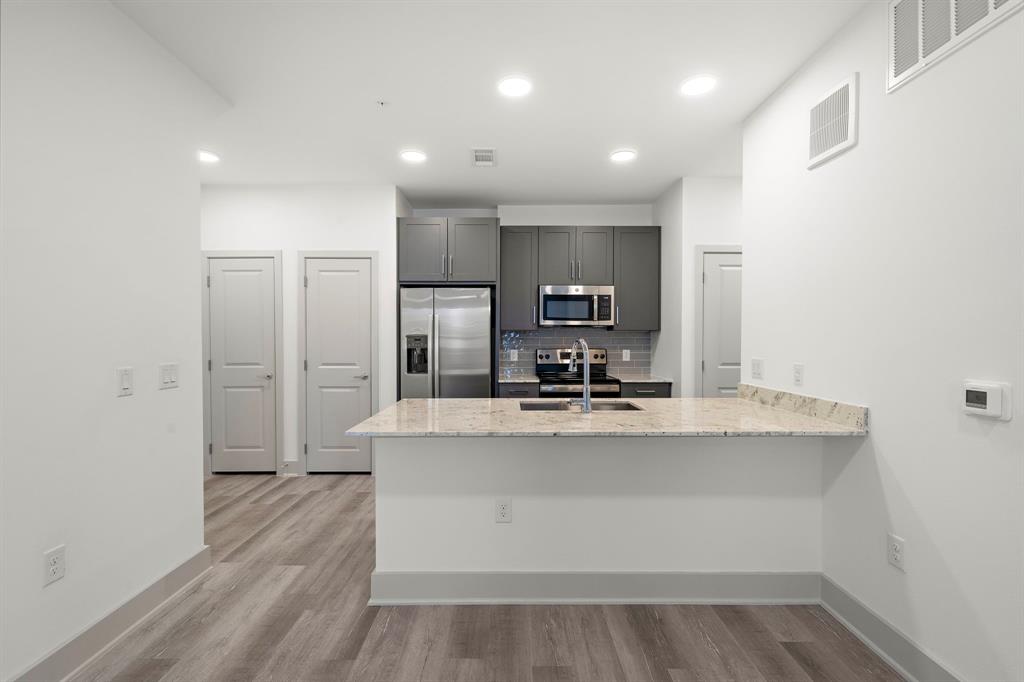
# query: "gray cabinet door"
{"type": "Point", "coordinates": [594, 259]}
{"type": "Point", "coordinates": [638, 278]}
{"type": "Point", "coordinates": [422, 249]}
{"type": "Point", "coordinates": [518, 291]}
{"type": "Point", "coordinates": [556, 259]}
{"type": "Point", "coordinates": [646, 390]}
{"type": "Point", "coordinates": [472, 249]}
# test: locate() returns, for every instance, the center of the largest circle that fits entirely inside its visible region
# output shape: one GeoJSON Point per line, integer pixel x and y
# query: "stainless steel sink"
{"type": "Point", "coordinates": [544, 407]}
{"type": "Point", "coordinates": [614, 407]}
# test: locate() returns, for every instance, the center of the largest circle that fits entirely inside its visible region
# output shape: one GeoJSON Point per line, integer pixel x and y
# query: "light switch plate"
{"type": "Point", "coordinates": [513, 355]}
{"type": "Point", "coordinates": [756, 368]}
{"type": "Point", "coordinates": [125, 381]}
{"type": "Point", "coordinates": [167, 376]}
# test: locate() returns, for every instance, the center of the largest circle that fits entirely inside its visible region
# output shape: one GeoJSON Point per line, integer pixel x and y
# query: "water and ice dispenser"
{"type": "Point", "coordinates": [416, 353]}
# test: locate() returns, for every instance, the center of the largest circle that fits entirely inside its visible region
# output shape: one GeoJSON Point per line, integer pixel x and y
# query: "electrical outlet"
{"type": "Point", "coordinates": [503, 510]}
{"type": "Point", "coordinates": [756, 368]}
{"type": "Point", "coordinates": [167, 376]}
{"type": "Point", "coordinates": [798, 374]}
{"type": "Point", "coordinates": [513, 355]}
{"type": "Point", "coordinates": [125, 381]}
{"type": "Point", "coordinates": [625, 355]}
{"type": "Point", "coordinates": [54, 564]}
{"type": "Point", "coordinates": [896, 550]}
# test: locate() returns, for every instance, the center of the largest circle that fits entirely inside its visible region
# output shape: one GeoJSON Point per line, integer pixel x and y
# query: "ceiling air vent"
{"type": "Point", "coordinates": [923, 32]}
{"type": "Point", "coordinates": [833, 123]}
{"type": "Point", "coordinates": [483, 157]}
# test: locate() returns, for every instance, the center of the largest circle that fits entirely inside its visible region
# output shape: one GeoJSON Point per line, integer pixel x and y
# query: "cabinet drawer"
{"type": "Point", "coordinates": [518, 391]}
{"type": "Point", "coordinates": [646, 390]}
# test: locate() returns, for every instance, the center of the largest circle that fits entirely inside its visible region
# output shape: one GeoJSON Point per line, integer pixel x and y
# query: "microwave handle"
{"type": "Point", "coordinates": [596, 316]}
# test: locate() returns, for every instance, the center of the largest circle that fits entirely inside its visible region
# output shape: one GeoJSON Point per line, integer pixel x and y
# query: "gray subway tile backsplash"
{"type": "Point", "coordinates": [528, 341]}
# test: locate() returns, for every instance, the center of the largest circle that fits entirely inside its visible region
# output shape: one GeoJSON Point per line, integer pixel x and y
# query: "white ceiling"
{"type": "Point", "coordinates": [303, 79]}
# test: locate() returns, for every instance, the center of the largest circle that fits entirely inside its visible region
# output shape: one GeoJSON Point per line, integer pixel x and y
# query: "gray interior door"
{"type": "Point", "coordinates": [594, 256]}
{"type": "Point", "coordinates": [462, 329]}
{"type": "Point", "coordinates": [721, 325]}
{"type": "Point", "coordinates": [637, 278]}
{"type": "Point", "coordinates": [243, 372]}
{"type": "Point", "coordinates": [422, 249]}
{"type": "Point", "coordinates": [472, 249]}
{"type": "Point", "coordinates": [339, 354]}
{"type": "Point", "coordinates": [556, 260]}
{"type": "Point", "coordinates": [519, 278]}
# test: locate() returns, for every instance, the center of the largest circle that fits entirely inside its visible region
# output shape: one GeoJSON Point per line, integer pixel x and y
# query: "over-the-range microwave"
{"type": "Point", "coordinates": [576, 306]}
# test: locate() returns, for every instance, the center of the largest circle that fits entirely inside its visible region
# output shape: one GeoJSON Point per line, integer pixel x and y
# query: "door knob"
{"type": "Point", "coordinates": [364, 377]}
{"type": "Point", "coordinates": [268, 375]}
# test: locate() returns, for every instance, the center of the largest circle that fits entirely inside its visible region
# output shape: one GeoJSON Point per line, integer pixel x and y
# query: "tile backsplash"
{"type": "Point", "coordinates": [528, 341]}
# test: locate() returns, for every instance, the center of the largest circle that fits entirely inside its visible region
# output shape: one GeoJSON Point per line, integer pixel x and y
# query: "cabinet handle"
{"type": "Point", "coordinates": [535, 314]}
{"type": "Point", "coordinates": [616, 314]}
{"type": "Point", "coordinates": [519, 392]}
{"type": "Point", "coordinates": [579, 269]}
{"type": "Point", "coordinates": [444, 262]}
{"type": "Point", "coordinates": [571, 270]}
{"type": "Point", "coordinates": [451, 265]}
{"type": "Point", "coordinates": [645, 391]}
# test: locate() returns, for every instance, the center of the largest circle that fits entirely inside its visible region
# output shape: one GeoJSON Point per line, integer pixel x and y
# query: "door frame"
{"type": "Point", "coordinates": [301, 258]}
{"type": "Point", "coordinates": [701, 251]}
{"type": "Point", "coordinates": [207, 256]}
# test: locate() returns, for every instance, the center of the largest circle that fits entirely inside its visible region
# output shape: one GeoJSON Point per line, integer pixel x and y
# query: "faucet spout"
{"type": "Point", "coordinates": [582, 344]}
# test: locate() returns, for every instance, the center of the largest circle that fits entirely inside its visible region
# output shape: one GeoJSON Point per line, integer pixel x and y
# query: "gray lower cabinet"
{"type": "Point", "coordinates": [556, 261]}
{"type": "Point", "coordinates": [472, 249]}
{"type": "Point", "coordinates": [518, 391]}
{"type": "Point", "coordinates": [447, 249]}
{"type": "Point", "coordinates": [638, 278]}
{"type": "Point", "coordinates": [646, 390]}
{"type": "Point", "coordinates": [518, 278]}
{"type": "Point", "coordinates": [422, 249]}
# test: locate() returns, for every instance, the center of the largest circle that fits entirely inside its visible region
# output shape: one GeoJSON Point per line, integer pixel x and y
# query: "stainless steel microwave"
{"type": "Point", "coordinates": [576, 306]}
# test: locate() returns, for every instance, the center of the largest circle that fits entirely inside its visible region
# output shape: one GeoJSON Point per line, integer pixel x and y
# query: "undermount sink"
{"type": "Point", "coordinates": [614, 407]}
{"type": "Point", "coordinates": [564, 406]}
{"type": "Point", "coordinates": [544, 407]}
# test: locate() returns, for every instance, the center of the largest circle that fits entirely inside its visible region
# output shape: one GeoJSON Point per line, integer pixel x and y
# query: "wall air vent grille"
{"type": "Point", "coordinates": [934, 26]}
{"type": "Point", "coordinates": [483, 157]}
{"type": "Point", "coordinates": [968, 13]}
{"type": "Point", "coordinates": [833, 123]}
{"type": "Point", "coordinates": [923, 32]}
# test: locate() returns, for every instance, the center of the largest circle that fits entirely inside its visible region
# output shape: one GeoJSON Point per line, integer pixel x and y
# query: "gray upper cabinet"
{"type": "Point", "coordinates": [519, 277]}
{"type": "Point", "coordinates": [556, 261]}
{"type": "Point", "coordinates": [472, 249]}
{"type": "Point", "coordinates": [638, 278]}
{"type": "Point", "coordinates": [447, 249]}
{"type": "Point", "coordinates": [422, 249]}
{"type": "Point", "coordinates": [594, 256]}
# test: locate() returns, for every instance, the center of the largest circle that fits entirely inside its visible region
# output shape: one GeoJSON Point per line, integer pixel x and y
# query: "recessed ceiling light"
{"type": "Point", "coordinates": [623, 155]}
{"type": "Point", "coordinates": [207, 157]}
{"type": "Point", "coordinates": [698, 85]}
{"type": "Point", "coordinates": [413, 156]}
{"type": "Point", "coordinates": [514, 86]}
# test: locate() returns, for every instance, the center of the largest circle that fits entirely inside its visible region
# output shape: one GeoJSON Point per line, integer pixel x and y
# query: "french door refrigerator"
{"type": "Point", "coordinates": [445, 339]}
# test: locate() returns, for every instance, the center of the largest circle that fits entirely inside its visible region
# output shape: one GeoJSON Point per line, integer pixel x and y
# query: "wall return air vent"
{"type": "Point", "coordinates": [483, 157]}
{"type": "Point", "coordinates": [922, 32]}
{"type": "Point", "coordinates": [833, 124]}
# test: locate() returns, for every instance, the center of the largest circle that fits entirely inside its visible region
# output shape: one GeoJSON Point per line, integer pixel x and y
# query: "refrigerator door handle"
{"type": "Point", "coordinates": [435, 374]}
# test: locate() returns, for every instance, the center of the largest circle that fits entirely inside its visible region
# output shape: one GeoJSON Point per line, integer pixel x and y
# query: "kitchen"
{"type": "Point", "coordinates": [512, 341]}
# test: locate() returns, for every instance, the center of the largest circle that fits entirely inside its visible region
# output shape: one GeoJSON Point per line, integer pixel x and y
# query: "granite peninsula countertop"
{"type": "Point", "coordinates": [418, 418]}
{"type": "Point", "coordinates": [638, 376]}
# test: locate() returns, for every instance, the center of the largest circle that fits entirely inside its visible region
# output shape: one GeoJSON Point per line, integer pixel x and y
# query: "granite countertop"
{"type": "Point", "coordinates": [660, 417]}
{"type": "Point", "coordinates": [638, 376]}
{"type": "Point", "coordinates": [518, 378]}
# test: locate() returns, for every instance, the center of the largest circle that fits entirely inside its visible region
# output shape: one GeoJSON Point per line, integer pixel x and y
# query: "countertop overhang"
{"type": "Point", "coordinates": [660, 417]}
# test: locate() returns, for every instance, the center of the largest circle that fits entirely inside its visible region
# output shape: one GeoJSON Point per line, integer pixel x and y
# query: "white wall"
{"type": "Point", "coordinates": [644, 504]}
{"type": "Point", "coordinates": [293, 218]}
{"type": "Point", "coordinates": [694, 211]}
{"type": "Point", "coordinates": [99, 205]}
{"type": "Point", "coordinates": [893, 273]}
{"type": "Point", "coordinates": [577, 214]}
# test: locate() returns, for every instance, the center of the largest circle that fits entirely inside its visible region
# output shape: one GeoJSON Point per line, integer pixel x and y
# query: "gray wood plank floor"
{"type": "Point", "coordinates": [286, 600]}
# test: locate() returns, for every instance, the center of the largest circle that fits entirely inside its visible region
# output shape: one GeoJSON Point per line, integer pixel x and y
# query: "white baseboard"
{"type": "Point", "coordinates": [101, 635]}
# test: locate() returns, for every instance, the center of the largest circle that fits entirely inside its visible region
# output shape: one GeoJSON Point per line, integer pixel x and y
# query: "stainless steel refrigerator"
{"type": "Point", "coordinates": [445, 341]}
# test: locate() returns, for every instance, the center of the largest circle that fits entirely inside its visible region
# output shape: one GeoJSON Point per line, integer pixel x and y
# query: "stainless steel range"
{"type": "Point", "coordinates": [557, 381]}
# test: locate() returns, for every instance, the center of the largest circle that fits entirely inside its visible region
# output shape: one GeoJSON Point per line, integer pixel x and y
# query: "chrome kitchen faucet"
{"type": "Point", "coordinates": [585, 400]}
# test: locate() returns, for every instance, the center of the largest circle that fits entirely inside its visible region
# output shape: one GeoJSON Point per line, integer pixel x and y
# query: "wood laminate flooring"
{"type": "Point", "coordinates": [286, 600]}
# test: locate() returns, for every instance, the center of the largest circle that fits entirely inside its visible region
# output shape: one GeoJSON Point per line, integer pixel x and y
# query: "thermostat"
{"type": "Point", "coordinates": [987, 399]}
